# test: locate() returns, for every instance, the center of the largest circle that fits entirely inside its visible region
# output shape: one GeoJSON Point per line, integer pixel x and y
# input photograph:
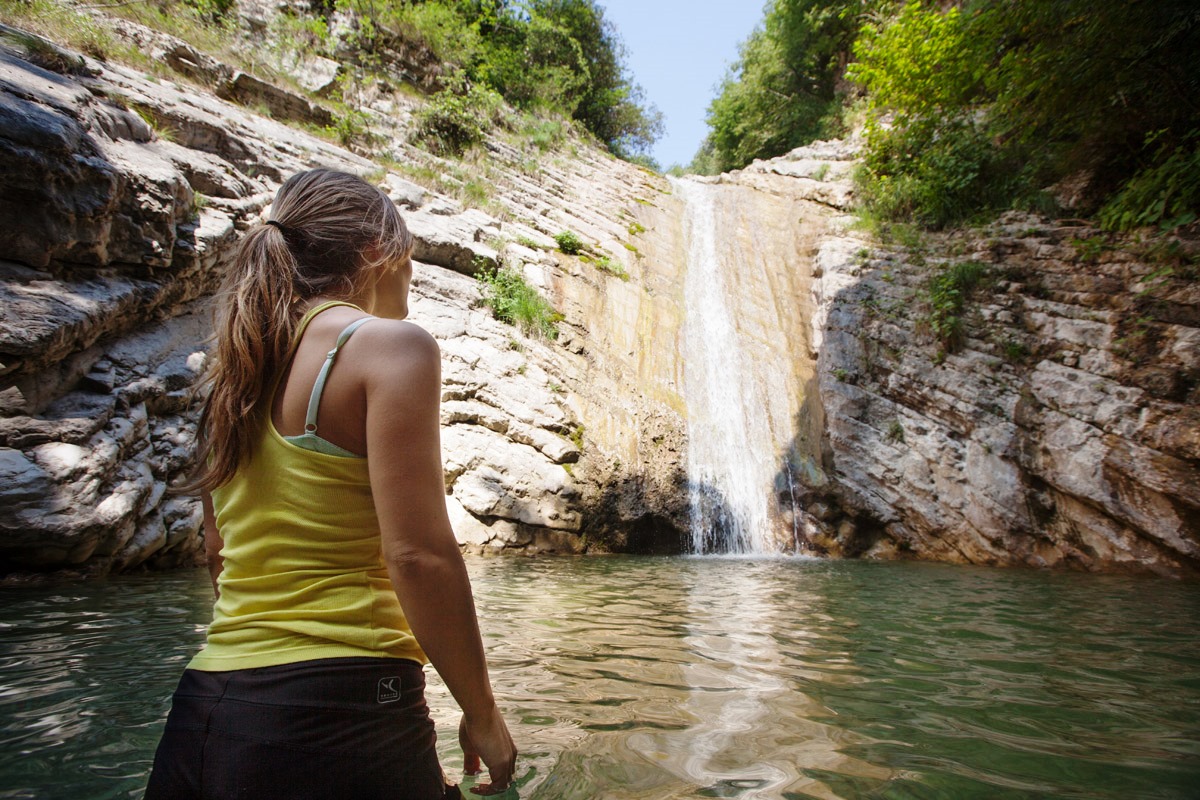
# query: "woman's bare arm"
{"type": "Point", "coordinates": [212, 541]}
{"type": "Point", "coordinates": [405, 461]}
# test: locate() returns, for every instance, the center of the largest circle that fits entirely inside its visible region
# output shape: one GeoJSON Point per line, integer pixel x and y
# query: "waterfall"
{"type": "Point", "coordinates": [732, 453]}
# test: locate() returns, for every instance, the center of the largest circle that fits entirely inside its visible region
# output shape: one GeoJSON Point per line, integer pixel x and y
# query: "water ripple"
{"type": "Point", "coordinates": [640, 678]}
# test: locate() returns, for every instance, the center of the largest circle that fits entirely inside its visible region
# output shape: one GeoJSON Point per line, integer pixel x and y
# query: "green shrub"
{"type": "Point", "coordinates": [514, 301]}
{"type": "Point", "coordinates": [606, 264]}
{"type": "Point", "coordinates": [349, 126]}
{"type": "Point", "coordinates": [569, 243]}
{"type": "Point", "coordinates": [457, 118]}
{"type": "Point", "coordinates": [1165, 194]}
{"type": "Point", "coordinates": [544, 134]}
{"type": "Point", "coordinates": [214, 10]}
{"type": "Point", "coordinates": [937, 172]}
{"type": "Point", "coordinates": [946, 294]}
{"type": "Point", "coordinates": [476, 192]}
{"type": "Point", "coordinates": [1015, 351]}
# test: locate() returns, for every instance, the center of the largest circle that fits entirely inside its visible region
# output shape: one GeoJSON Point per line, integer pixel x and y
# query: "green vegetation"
{"type": "Point", "coordinates": [783, 91]}
{"type": "Point", "coordinates": [49, 56]}
{"type": "Point", "coordinates": [349, 127]}
{"type": "Point", "coordinates": [62, 23]}
{"type": "Point", "coordinates": [993, 103]}
{"type": "Point", "coordinates": [606, 264]}
{"type": "Point", "coordinates": [542, 133]}
{"type": "Point", "coordinates": [1015, 351]}
{"type": "Point", "coordinates": [200, 202]}
{"type": "Point", "coordinates": [975, 107]}
{"type": "Point", "coordinates": [558, 56]}
{"type": "Point", "coordinates": [456, 118]}
{"type": "Point", "coordinates": [1165, 194]}
{"type": "Point", "coordinates": [1089, 249]}
{"type": "Point", "coordinates": [946, 295]}
{"type": "Point", "coordinates": [514, 301]}
{"type": "Point", "coordinates": [569, 243]}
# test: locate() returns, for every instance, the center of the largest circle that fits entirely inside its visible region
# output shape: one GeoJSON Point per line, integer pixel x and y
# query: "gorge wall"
{"type": "Point", "coordinates": [1057, 423]}
{"type": "Point", "coordinates": [1059, 428]}
{"type": "Point", "coordinates": [123, 195]}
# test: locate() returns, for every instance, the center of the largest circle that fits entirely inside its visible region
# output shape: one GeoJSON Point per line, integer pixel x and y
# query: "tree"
{"type": "Point", "coordinates": [610, 105]}
{"type": "Point", "coordinates": [993, 102]}
{"type": "Point", "coordinates": [787, 86]}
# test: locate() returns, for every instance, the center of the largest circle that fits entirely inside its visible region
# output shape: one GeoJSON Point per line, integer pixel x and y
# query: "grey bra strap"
{"type": "Point", "coordinates": [314, 400]}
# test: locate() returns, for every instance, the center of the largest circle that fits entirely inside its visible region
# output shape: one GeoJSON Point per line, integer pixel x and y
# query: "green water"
{"type": "Point", "coordinates": [696, 678]}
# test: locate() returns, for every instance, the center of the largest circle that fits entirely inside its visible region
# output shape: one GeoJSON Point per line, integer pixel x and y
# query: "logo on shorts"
{"type": "Point", "coordinates": [389, 690]}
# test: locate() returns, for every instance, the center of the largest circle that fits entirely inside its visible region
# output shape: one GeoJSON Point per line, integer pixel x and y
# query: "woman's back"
{"type": "Point", "coordinates": [303, 575]}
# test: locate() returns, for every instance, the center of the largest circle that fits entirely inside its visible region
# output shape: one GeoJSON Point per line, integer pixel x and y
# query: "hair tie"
{"type": "Point", "coordinates": [277, 225]}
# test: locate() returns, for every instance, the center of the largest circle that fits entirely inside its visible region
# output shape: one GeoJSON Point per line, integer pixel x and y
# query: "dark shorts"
{"type": "Point", "coordinates": [331, 729]}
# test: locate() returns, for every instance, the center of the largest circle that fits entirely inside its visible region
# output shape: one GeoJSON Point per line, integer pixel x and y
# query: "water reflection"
{"type": "Point", "coordinates": [85, 675]}
{"type": "Point", "coordinates": [640, 678]}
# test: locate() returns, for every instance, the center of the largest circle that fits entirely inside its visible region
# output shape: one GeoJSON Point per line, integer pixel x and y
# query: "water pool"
{"type": "Point", "coordinates": [627, 677]}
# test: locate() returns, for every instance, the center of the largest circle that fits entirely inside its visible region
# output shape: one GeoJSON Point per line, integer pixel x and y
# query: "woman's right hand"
{"type": "Point", "coordinates": [488, 739]}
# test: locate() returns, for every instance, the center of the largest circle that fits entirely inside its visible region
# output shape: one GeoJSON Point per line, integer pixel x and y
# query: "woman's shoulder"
{"type": "Point", "coordinates": [398, 351]}
{"type": "Point", "coordinates": [399, 337]}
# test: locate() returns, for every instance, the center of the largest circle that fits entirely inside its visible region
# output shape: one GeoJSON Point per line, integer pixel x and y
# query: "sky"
{"type": "Point", "coordinates": [678, 51]}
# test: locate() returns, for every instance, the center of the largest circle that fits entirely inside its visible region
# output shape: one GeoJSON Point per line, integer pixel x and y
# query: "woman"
{"type": "Point", "coordinates": [336, 571]}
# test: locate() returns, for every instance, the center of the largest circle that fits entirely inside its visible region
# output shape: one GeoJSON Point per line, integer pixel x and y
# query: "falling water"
{"type": "Point", "coordinates": [731, 453]}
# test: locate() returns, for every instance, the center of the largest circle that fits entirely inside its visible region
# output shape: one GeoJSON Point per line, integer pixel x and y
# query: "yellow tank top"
{"type": "Point", "coordinates": [303, 577]}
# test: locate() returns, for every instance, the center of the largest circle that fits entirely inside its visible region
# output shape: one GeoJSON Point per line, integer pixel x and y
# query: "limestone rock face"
{"type": "Point", "coordinates": [122, 198]}
{"type": "Point", "coordinates": [1061, 430]}
{"type": "Point", "coordinates": [1060, 427]}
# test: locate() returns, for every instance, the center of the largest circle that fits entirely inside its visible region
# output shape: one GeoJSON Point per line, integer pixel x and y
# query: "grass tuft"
{"type": "Point", "coordinates": [514, 301]}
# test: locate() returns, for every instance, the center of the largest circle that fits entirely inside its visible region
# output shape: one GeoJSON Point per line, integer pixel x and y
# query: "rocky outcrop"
{"type": "Point", "coordinates": [1061, 429]}
{"type": "Point", "coordinates": [1056, 423]}
{"type": "Point", "coordinates": [1058, 427]}
{"type": "Point", "coordinates": [123, 196]}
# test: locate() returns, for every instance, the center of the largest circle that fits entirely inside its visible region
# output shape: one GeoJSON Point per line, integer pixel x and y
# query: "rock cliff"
{"type": "Point", "coordinates": [123, 195]}
{"type": "Point", "coordinates": [1021, 394]}
{"type": "Point", "coordinates": [1025, 393]}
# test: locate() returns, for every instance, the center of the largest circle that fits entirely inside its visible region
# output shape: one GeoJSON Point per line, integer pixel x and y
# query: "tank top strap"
{"type": "Point", "coordinates": [308, 317]}
{"type": "Point", "coordinates": [301, 327]}
{"type": "Point", "coordinates": [314, 400]}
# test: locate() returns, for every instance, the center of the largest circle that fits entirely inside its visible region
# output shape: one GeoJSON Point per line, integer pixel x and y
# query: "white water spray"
{"type": "Point", "coordinates": [731, 449]}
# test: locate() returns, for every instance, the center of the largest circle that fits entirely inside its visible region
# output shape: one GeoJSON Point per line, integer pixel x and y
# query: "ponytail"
{"type": "Point", "coordinates": [254, 328]}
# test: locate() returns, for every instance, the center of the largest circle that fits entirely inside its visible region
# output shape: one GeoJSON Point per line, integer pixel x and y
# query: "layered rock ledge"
{"type": "Point", "coordinates": [123, 196]}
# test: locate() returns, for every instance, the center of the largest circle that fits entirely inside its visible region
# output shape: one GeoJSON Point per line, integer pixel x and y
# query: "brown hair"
{"type": "Point", "coordinates": [330, 232]}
